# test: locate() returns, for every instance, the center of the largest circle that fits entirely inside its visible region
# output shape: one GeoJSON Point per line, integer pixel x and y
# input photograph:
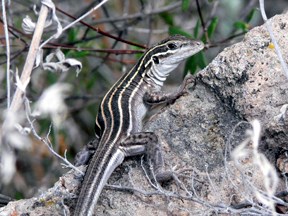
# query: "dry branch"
{"type": "Point", "coordinates": [17, 101]}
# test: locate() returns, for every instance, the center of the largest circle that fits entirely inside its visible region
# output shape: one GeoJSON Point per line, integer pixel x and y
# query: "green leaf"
{"type": "Point", "coordinates": [168, 18]}
{"type": "Point", "coordinates": [190, 66]}
{"type": "Point", "coordinates": [77, 54]}
{"type": "Point", "coordinates": [196, 29]}
{"type": "Point", "coordinates": [212, 27]}
{"type": "Point", "coordinates": [251, 15]}
{"type": "Point", "coordinates": [185, 5]}
{"type": "Point", "coordinates": [72, 35]}
{"type": "Point", "coordinates": [177, 30]}
{"type": "Point", "coordinates": [195, 61]}
{"type": "Point", "coordinates": [137, 55]}
{"type": "Point", "coordinates": [241, 25]}
{"type": "Point", "coordinates": [18, 195]}
{"type": "Point", "coordinates": [202, 62]}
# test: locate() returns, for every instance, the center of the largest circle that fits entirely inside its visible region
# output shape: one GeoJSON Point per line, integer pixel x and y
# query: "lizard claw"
{"type": "Point", "coordinates": [183, 90]}
{"type": "Point", "coordinates": [187, 81]}
{"type": "Point", "coordinates": [185, 85]}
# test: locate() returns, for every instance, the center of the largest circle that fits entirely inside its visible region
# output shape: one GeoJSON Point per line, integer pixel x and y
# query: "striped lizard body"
{"type": "Point", "coordinates": [120, 115]}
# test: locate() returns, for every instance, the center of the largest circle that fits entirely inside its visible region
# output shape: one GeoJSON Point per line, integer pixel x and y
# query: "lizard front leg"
{"type": "Point", "coordinates": [159, 97]}
{"type": "Point", "coordinates": [147, 142]}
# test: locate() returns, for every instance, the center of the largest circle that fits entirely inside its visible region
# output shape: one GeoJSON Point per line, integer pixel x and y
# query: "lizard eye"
{"type": "Point", "coordinates": [172, 46]}
{"type": "Point", "coordinates": [155, 59]}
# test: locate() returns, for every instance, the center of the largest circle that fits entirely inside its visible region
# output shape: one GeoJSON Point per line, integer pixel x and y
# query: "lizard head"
{"type": "Point", "coordinates": [161, 59]}
{"type": "Point", "coordinates": [175, 49]}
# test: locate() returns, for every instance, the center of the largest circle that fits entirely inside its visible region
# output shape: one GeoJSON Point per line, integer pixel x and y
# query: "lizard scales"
{"type": "Point", "coordinates": [120, 115]}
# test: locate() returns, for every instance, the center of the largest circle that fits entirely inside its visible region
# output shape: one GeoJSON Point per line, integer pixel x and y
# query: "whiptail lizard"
{"type": "Point", "coordinates": [119, 120]}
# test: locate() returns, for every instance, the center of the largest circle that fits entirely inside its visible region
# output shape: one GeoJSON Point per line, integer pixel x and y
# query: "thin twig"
{"type": "Point", "coordinates": [141, 15]}
{"type": "Point", "coordinates": [226, 40]}
{"type": "Point", "coordinates": [13, 57]}
{"type": "Point", "coordinates": [110, 51]}
{"type": "Point", "coordinates": [277, 48]}
{"type": "Point", "coordinates": [75, 21]}
{"type": "Point", "coordinates": [47, 141]}
{"type": "Point", "coordinates": [203, 24]}
{"type": "Point", "coordinates": [12, 31]}
{"type": "Point", "coordinates": [219, 208]}
{"type": "Point", "coordinates": [7, 53]}
{"type": "Point", "coordinates": [100, 31]}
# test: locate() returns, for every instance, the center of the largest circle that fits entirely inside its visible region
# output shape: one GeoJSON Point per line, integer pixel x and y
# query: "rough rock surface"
{"type": "Point", "coordinates": [198, 132]}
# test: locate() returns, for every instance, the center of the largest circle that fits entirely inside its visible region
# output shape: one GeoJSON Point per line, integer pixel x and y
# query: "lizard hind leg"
{"type": "Point", "coordinates": [86, 153]}
{"type": "Point", "coordinates": [147, 142]}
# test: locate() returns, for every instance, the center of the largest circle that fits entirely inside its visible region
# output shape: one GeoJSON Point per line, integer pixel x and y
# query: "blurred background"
{"type": "Point", "coordinates": [219, 23]}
